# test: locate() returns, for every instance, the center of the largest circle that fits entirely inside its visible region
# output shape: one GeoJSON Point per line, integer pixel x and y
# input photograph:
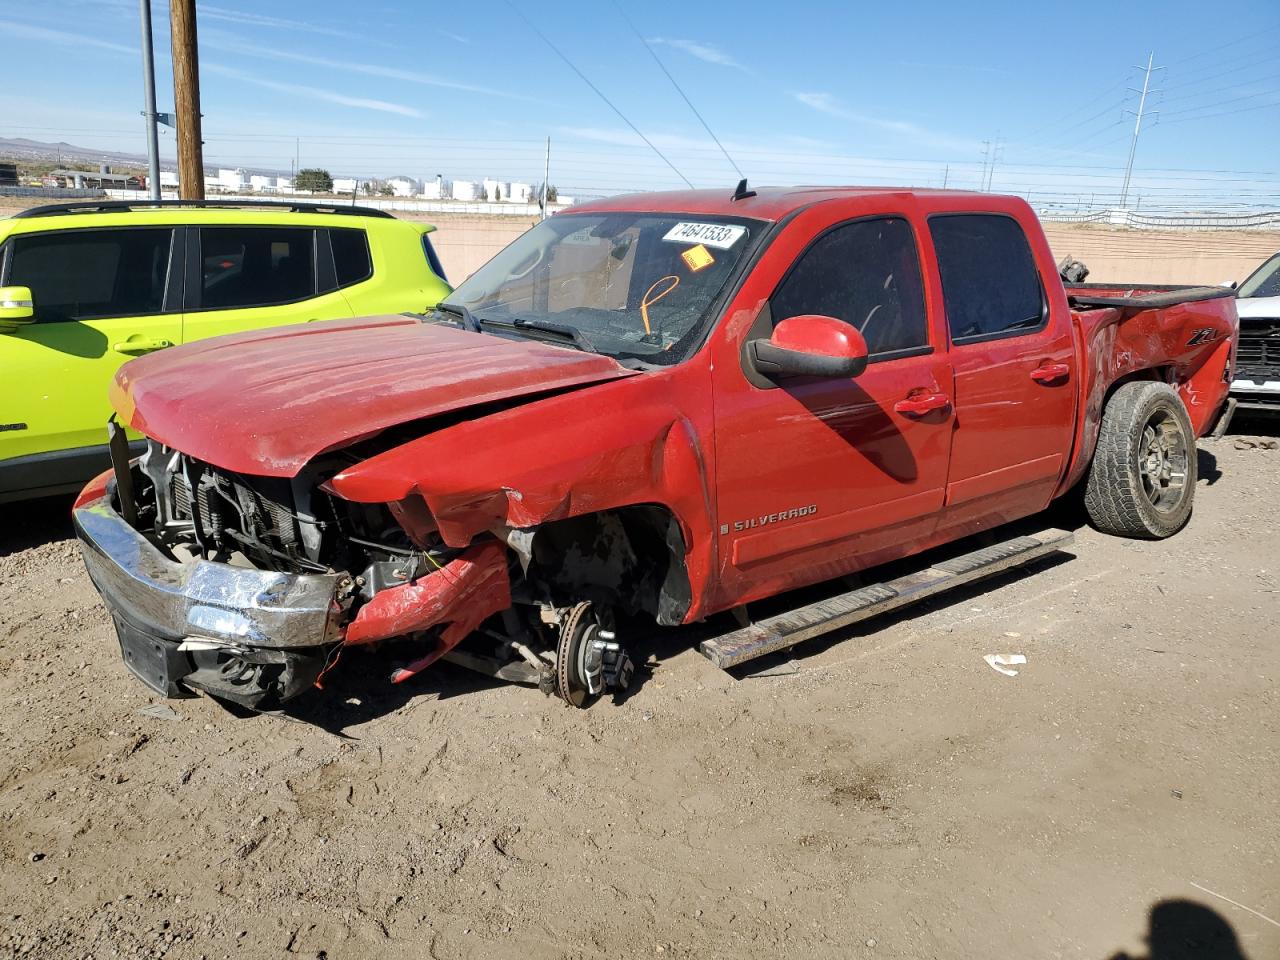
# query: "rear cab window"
{"type": "Point", "coordinates": [92, 274]}
{"type": "Point", "coordinates": [255, 266]}
{"type": "Point", "coordinates": [990, 285]}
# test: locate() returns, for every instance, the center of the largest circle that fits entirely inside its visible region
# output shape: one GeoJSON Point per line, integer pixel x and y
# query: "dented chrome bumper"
{"type": "Point", "coordinates": [240, 607]}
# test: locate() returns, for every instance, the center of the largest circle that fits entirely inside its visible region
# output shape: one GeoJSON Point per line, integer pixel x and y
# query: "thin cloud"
{"type": "Point", "coordinates": [227, 43]}
{"type": "Point", "coordinates": [826, 103]}
{"type": "Point", "coordinates": [262, 20]}
{"type": "Point", "coordinates": [621, 137]}
{"type": "Point", "coordinates": [779, 146]}
{"type": "Point", "coordinates": [66, 39]}
{"type": "Point", "coordinates": [702, 51]}
{"type": "Point", "coordinates": [951, 67]}
{"type": "Point", "coordinates": [315, 93]}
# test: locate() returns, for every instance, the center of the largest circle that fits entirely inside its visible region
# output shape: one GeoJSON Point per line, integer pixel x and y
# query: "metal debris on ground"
{"type": "Point", "coordinates": [159, 711]}
{"type": "Point", "coordinates": [1005, 662]}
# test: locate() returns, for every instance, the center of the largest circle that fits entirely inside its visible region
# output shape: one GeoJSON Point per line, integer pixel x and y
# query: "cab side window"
{"type": "Point", "coordinates": [990, 284]}
{"type": "Point", "coordinates": [867, 274]}
{"type": "Point", "coordinates": [92, 274]}
{"type": "Point", "coordinates": [256, 266]}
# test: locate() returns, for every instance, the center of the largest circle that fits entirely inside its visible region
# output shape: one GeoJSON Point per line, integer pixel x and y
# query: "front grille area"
{"type": "Point", "coordinates": [1258, 355]}
{"type": "Point", "coordinates": [255, 516]}
{"type": "Point", "coordinates": [276, 523]}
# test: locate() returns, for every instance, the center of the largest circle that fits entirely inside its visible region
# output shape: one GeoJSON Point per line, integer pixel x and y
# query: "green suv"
{"type": "Point", "coordinates": [83, 288]}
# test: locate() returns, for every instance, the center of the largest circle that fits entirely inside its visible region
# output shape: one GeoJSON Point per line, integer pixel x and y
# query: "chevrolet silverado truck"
{"type": "Point", "coordinates": [650, 410]}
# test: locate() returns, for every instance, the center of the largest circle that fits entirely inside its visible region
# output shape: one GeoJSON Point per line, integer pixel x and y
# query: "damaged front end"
{"type": "Point", "coordinates": [249, 588]}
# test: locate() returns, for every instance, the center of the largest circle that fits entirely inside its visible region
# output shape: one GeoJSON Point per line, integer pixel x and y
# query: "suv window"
{"type": "Point", "coordinates": [88, 274]}
{"type": "Point", "coordinates": [989, 279]}
{"type": "Point", "coordinates": [256, 266]}
{"type": "Point", "coordinates": [867, 274]}
{"type": "Point", "coordinates": [350, 256]}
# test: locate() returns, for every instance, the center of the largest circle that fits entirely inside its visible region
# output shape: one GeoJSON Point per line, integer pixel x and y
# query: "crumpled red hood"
{"type": "Point", "coordinates": [267, 402]}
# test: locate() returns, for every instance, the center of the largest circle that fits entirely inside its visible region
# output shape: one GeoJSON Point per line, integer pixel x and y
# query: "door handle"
{"type": "Point", "coordinates": [919, 403]}
{"type": "Point", "coordinates": [1049, 372]}
{"type": "Point", "coordinates": [141, 345]}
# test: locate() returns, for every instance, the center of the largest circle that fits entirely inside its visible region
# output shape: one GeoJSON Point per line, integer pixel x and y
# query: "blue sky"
{"type": "Point", "coordinates": [805, 92]}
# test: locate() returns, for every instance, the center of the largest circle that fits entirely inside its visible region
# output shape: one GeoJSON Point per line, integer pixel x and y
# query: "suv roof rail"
{"type": "Point", "coordinates": [113, 206]}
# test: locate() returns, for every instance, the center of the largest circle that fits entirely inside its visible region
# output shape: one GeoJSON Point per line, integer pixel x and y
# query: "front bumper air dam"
{"type": "Point", "coordinates": [246, 635]}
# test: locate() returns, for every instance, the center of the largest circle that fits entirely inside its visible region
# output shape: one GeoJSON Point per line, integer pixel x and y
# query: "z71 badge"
{"type": "Point", "coordinates": [1203, 335]}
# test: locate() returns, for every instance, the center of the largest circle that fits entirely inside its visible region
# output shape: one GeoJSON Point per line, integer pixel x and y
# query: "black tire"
{"type": "Point", "coordinates": [1143, 476]}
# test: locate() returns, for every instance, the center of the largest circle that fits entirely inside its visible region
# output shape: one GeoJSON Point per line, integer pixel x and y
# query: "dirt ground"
{"type": "Point", "coordinates": [891, 796]}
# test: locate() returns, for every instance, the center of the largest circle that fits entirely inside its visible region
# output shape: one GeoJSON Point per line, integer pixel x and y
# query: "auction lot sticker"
{"type": "Point", "coordinates": [722, 236]}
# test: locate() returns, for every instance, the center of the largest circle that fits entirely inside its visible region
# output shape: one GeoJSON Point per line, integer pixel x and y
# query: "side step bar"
{"type": "Point", "coordinates": [786, 629]}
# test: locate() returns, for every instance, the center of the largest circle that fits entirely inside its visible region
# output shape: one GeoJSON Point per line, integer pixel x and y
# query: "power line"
{"type": "Point", "coordinates": [1055, 124]}
{"type": "Point", "coordinates": [1223, 46]}
{"type": "Point", "coordinates": [1210, 106]}
{"type": "Point", "coordinates": [1228, 88]}
{"type": "Point", "coordinates": [1224, 73]}
{"type": "Point", "coordinates": [597, 92]}
{"type": "Point", "coordinates": [1225, 113]}
{"type": "Point", "coordinates": [663, 67]}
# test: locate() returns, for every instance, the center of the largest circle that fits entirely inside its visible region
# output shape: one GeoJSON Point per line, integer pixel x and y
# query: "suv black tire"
{"type": "Point", "coordinates": [1143, 476]}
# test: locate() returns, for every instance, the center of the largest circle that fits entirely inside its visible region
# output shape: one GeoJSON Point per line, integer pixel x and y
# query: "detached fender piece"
{"type": "Point", "coordinates": [462, 594]}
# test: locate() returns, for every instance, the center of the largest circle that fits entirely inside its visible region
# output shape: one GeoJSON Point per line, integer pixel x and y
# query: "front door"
{"type": "Point", "coordinates": [1015, 388]}
{"type": "Point", "coordinates": [817, 478]}
{"type": "Point", "coordinates": [101, 297]}
{"type": "Point", "coordinates": [245, 278]}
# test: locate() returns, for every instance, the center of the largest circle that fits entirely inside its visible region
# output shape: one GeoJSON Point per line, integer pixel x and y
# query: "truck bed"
{"type": "Point", "coordinates": [1140, 296]}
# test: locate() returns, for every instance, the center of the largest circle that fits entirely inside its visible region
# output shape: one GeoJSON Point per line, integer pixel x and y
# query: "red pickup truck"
{"type": "Point", "coordinates": [658, 406]}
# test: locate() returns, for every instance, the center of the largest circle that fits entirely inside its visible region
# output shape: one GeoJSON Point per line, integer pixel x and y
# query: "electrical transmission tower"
{"type": "Point", "coordinates": [1137, 126]}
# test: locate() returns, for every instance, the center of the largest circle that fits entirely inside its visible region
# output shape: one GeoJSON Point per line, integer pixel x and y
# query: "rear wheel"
{"type": "Point", "coordinates": [1143, 476]}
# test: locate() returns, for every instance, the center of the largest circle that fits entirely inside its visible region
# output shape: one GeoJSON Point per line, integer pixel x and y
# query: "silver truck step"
{"type": "Point", "coordinates": [786, 629]}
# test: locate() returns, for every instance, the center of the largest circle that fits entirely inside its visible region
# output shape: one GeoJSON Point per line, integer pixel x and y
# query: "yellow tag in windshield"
{"type": "Point", "coordinates": [697, 258]}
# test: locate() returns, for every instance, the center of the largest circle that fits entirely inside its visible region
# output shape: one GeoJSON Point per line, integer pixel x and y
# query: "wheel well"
{"type": "Point", "coordinates": [631, 558]}
{"type": "Point", "coordinates": [1158, 374]}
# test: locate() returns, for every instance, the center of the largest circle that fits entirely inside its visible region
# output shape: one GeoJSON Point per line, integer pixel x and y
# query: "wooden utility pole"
{"type": "Point", "coordinates": [186, 99]}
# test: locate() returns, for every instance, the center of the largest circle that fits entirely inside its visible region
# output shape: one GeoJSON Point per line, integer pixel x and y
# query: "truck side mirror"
{"type": "Point", "coordinates": [16, 309]}
{"type": "Point", "coordinates": [810, 346]}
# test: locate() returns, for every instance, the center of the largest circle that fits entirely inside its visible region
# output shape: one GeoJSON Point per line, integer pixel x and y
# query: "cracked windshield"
{"type": "Point", "coordinates": [624, 285]}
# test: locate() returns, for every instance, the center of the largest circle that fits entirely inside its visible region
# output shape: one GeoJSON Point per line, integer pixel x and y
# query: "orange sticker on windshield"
{"type": "Point", "coordinates": [697, 258]}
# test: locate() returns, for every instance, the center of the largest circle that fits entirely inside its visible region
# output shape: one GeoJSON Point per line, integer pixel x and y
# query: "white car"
{"type": "Point", "coordinates": [1257, 381]}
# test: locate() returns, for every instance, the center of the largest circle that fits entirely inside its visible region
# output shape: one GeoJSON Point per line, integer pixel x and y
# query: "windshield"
{"type": "Point", "coordinates": [1263, 282]}
{"type": "Point", "coordinates": [631, 285]}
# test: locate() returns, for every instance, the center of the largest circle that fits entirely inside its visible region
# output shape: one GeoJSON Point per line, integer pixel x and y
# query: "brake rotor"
{"type": "Point", "coordinates": [576, 634]}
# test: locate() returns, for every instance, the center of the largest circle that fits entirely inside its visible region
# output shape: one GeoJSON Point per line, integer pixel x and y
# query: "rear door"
{"type": "Point", "coordinates": [1014, 361]}
{"type": "Point", "coordinates": [248, 277]}
{"type": "Point", "coordinates": [101, 297]}
{"type": "Point", "coordinates": [817, 477]}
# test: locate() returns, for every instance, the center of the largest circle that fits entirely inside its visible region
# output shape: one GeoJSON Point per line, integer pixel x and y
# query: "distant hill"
{"type": "Point", "coordinates": [20, 148]}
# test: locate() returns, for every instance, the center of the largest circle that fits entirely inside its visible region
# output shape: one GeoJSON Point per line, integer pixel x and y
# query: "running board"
{"type": "Point", "coordinates": [787, 629]}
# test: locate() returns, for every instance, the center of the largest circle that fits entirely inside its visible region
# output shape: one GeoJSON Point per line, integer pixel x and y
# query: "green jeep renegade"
{"type": "Point", "coordinates": [85, 287]}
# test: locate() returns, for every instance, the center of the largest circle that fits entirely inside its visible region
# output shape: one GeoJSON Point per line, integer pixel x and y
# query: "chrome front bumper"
{"type": "Point", "coordinates": [240, 607]}
{"type": "Point", "coordinates": [1240, 385]}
